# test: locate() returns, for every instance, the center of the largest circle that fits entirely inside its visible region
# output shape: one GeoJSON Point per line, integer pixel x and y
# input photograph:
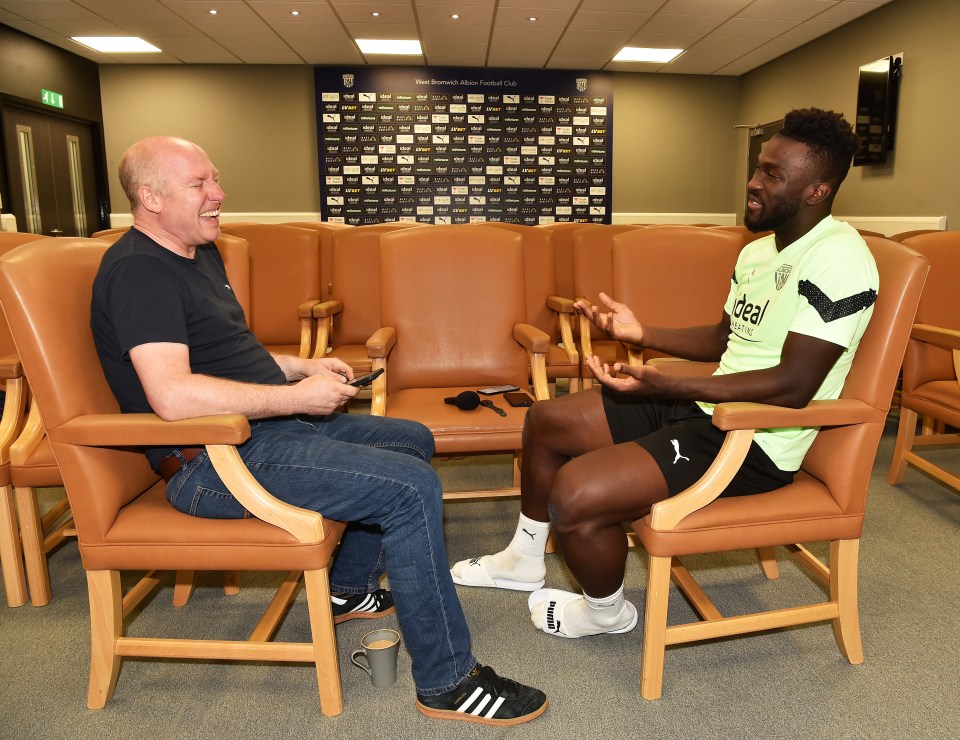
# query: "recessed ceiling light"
{"type": "Point", "coordinates": [117, 44]}
{"type": "Point", "coordinates": [641, 54]}
{"type": "Point", "coordinates": [389, 46]}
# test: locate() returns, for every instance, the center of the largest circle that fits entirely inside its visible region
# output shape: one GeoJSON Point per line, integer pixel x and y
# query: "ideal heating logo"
{"type": "Point", "coordinates": [747, 315]}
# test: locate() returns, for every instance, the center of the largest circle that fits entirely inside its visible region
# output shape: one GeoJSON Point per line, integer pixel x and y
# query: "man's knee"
{"type": "Point", "coordinates": [574, 498]}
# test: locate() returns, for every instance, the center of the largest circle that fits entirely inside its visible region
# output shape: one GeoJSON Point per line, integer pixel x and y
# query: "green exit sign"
{"type": "Point", "coordinates": [49, 97]}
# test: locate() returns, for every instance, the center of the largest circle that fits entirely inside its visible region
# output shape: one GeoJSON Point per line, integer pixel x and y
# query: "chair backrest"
{"type": "Point", "coordinates": [355, 269]}
{"type": "Point", "coordinates": [235, 252]}
{"type": "Point", "coordinates": [593, 263]}
{"type": "Point", "coordinates": [540, 275]}
{"type": "Point", "coordinates": [453, 294]}
{"type": "Point", "coordinates": [284, 272]}
{"type": "Point", "coordinates": [45, 290]}
{"type": "Point", "coordinates": [563, 253]}
{"type": "Point", "coordinates": [117, 231]}
{"type": "Point", "coordinates": [10, 240]}
{"type": "Point", "coordinates": [745, 234]}
{"type": "Point", "coordinates": [675, 276]}
{"type": "Point", "coordinates": [326, 231]}
{"type": "Point", "coordinates": [843, 457]}
{"type": "Point", "coordinates": [939, 306]}
{"type": "Point", "coordinates": [904, 235]}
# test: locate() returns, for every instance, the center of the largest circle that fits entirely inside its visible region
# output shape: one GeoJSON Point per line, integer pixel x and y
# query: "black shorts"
{"type": "Point", "coordinates": [684, 442]}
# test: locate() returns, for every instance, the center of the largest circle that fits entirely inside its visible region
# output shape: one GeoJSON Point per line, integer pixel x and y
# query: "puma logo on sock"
{"type": "Point", "coordinates": [475, 561]}
{"type": "Point", "coordinates": [552, 624]}
{"type": "Point", "coordinates": [676, 446]}
{"type": "Point", "coordinates": [528, 533]}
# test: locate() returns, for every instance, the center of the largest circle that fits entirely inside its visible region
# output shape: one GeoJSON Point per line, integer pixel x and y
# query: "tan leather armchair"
{"type": "Point", "coordinates": [346, 321]}
{"type": "Point", "coordinates": [674, 276]}
{"type": "Point", "coordinates": [285, 284]}
{"type": "Point", "coordinates": [326, 231]}
{"type": "Point", "coordinates": [931, 366]}
{"type": "Point", "coordinates": [593, 273]}
{"type": "Point", "coordinates": [453, 311]}
{"type": "Point", "coordinates": [546, 309]}
{"type": "Point", "coordinates": [825, 502]}
{"type": "Point", "coordinates": [122, 517]}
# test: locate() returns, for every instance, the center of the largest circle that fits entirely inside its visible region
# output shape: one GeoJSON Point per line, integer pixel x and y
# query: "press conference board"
{"type": "Point", "coordinates": [461, 145]}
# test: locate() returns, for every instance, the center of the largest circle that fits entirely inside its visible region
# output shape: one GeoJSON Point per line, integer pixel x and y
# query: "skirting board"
{"type": "Point", "coordinates": [720, 219]}
{"type": "Point", "coordinates": [890, 225]}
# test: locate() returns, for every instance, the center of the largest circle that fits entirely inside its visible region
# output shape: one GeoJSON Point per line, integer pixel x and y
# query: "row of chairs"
{"type": "Point", "coordinates": [832, 485]}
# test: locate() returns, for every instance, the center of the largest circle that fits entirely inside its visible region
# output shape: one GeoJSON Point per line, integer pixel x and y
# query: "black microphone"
{"type": "Point", "coordinates": [465, 401]}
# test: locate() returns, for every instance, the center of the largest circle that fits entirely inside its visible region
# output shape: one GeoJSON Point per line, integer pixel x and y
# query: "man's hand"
{"type": "Point", "coordinates": [618, 322]}
{"type": "Point", "coordinates": [321, 393]}
{"type": "Point", "coordinates": [641, 380]}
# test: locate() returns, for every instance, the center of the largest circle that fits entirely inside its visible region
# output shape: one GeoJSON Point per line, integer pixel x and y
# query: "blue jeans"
{"type": "Point", "coordinates": [375, 473]}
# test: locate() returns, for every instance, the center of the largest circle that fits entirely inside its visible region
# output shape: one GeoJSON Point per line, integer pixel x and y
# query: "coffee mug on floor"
{"type": "Point", "coordinates": [380, 649]}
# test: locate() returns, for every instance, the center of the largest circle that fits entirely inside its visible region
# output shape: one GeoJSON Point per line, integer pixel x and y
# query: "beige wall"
{"type": "Point", "coordinates": [257, 123]}
{"type": "Point", "coordinates": [920, 177]}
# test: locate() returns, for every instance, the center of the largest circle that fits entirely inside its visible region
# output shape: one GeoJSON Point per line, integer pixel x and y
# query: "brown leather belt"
{"type": "Point", "coordinates": [171, 465]}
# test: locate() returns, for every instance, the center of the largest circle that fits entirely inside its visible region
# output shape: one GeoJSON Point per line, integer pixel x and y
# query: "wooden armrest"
{"type": "Point", "coordinates": [305, 309]}
{"type": "Point", "coordinates": [560, 304]}
{"type": "Point", "coordinates": [381, 342]}
{"type": "Point", "coordinates": [327, 309]}
{"type": "Point", "coordinates": [306, 526]}
{"type": "Point", "coordinates": [10, 367]}
{"type": "Point", "coordinates": [840, 412]}
{"type": "Point", "coordinates": [11, 422]}
{"type": "Point", "coordinates": [938, 335]}
{"type": "Point", "coordinates": [533, 339]}
{"type": "Point", "coordinates": [149, 430]}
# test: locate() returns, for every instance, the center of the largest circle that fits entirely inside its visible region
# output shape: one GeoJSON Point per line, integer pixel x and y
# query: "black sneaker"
{"type": "Point", "coordinates": [487, 698]}
{"type": "Point", "coordinates": [362, 606]}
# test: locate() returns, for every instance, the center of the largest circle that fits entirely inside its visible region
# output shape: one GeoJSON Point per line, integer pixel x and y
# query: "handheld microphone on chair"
{"type": "Point", "coordinates": [465, 401]}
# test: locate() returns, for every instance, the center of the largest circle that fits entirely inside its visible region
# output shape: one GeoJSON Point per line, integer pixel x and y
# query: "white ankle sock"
{"type": "Point", "coordinates": [605, 610]}
{"type": "Point", "coordinates": [530, 539]}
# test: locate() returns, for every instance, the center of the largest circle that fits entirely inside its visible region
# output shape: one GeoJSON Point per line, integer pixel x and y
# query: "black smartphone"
{"type": "Point", "coordinates": [518, 399]}
{"type": "Point", "coordinates": [366, 379]}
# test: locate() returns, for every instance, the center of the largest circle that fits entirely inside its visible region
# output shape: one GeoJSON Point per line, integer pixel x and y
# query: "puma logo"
{"type": "Point", "coordinates": [530, 534]}
{"type": "Point", "coordinates": [552, 624]}
{"type": "Point", "coordinates": [676, 446]}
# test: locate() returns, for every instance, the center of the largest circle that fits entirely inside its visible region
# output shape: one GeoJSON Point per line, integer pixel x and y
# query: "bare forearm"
{"type": "Point", "coordinates": [202, 395]}
{"type": "Point", "coordinates": [702, 343]}
{"type": "Point", "coordinates": [757, 386]}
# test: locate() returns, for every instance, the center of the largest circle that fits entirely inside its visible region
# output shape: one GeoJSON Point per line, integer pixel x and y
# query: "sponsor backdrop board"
{"type": "Point", "coordinates": [459, 145]}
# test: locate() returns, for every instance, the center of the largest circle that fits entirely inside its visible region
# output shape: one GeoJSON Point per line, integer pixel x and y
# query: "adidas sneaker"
{"type": "Point", "coordinates": [487, 698]}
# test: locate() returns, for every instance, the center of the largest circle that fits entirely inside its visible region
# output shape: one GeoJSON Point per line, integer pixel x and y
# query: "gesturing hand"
{"type": "Point", "coordinates": [618, 321]}
{"type": "Point", "coordinates": [641, 379]}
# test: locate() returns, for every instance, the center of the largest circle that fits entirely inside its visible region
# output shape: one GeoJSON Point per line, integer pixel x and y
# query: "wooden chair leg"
{"type": "Point", "coordinates": [843, 591]}
{"type": "Point", "coordinates": [106, 627]}
{"type": "Point", "coordinates": [231, 582]}
{"type": "Point", "coordinates": [34, 554]}
{"type": "Point", "coordinates": [768, 561]}
{"type": "Point", "coordinates": [655, 627]}
{"type": "Point", "coordinates": [905, 433]}
{"type": "Point", "coordinates": [11, 556]}
{"type": "Point", "coordinates": [183, 587]}
{"type": "Point", "coordinates": [317, 583]}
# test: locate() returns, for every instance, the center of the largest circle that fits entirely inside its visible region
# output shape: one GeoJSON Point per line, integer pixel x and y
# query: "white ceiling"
{"type": "Point", "coordinates": [724, 37]}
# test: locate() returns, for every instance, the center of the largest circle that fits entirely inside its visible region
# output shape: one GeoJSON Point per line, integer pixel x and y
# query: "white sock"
{"type": "Point", "coordinates": [530, 539]}
{"type": "Point", "coordinates": [606, 610]}
{"type": "Point", "coordinates": [523, 558]}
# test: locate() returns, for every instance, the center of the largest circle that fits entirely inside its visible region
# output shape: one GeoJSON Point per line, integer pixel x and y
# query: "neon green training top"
{"type": "Point", "coordinates": [823, 285]}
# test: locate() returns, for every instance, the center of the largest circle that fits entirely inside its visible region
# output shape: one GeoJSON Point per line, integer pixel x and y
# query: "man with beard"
{"type": "Point", "coordinates": [799, 302]}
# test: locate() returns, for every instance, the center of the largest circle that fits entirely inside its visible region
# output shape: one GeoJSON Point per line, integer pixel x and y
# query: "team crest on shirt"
{"type": "Point", "coordinates": [783, 272]}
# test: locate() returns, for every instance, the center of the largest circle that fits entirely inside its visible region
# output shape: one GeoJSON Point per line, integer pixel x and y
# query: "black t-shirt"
{"type": "Point", "coordinates": [145, 293]}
